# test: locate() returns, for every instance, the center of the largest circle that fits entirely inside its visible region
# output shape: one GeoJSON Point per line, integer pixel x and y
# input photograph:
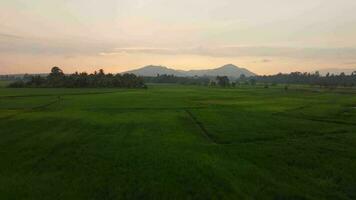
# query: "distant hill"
{"type": "Point", "coordinates": [153, 70]}
{"type": "Point", "coordinates": [226, 70]}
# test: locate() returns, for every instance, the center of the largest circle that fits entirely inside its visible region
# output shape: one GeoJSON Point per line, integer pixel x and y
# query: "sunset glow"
{"type": "Point", "coordinates": [117, 35]}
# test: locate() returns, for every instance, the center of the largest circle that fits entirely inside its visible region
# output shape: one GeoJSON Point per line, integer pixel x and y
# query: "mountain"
{"type": "Point", "coordinates": [153, 70]}
{"type": "Point", "coordinates": [226, 70]}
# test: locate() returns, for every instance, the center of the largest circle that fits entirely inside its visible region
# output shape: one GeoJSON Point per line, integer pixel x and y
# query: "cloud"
{"type": "Point", "coordinates": [146, 50]}
{"type": "Point", "coordinates": [9, 36]}
{"type": "Point", "coordinates": [242, 51]}
{"type": "Point", "coordinates": [350, 63]}
{"type": "Point", "coordinates": [16, 44]}
{"type": "Point", "coordinates": [265, 61]}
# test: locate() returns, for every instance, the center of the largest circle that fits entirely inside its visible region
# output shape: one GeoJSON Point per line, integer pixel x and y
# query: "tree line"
{"type": "Point", "coordinates": [57, 79]}
{"type": "Point", "coordinates": [329, 80]}
{"type": "Point", "coordinates": [177, 80]}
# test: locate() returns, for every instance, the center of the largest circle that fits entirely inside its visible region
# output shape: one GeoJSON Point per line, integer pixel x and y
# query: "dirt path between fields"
{"type": "Point", "coordinates": [201, 126]}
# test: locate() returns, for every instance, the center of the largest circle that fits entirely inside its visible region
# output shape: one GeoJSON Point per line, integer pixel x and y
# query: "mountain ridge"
{"type": "Point", "coordinates": [225, 70]}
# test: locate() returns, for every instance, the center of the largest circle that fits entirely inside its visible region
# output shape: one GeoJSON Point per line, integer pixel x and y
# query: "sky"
{"type": "Point", "coordinates": [265, 37]}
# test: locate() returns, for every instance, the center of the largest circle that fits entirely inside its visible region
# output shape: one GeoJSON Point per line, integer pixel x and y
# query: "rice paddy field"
{"type": "Point", "coordinates": [4, 83]}
{"type": "Point", "coordinates": [178, 142]}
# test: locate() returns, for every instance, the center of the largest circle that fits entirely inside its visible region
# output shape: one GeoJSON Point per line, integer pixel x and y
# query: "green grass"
{"type": "Point", "coordinates": [178, 142]}
{"type": "Point", "coordinates": [4, 83]}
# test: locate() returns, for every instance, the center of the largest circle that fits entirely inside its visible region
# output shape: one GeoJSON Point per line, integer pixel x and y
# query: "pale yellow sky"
{"type": "Point", "coordinates": [118, 35]}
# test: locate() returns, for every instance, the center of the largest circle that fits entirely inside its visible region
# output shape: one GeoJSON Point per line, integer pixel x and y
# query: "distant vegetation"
{"type": "Point", "coordinates": [177, 80]}
{"type": "Point", "coordinates": [222, 81]}
{"type": "Point", "coordinates": [330, 80]}
{"type": "Point", "coordinates": [57, 79]}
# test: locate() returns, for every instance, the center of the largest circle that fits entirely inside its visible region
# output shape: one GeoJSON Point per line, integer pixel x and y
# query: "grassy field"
{"type": "Point", "coordinates": [4, 83]}
{"type": "Point", "coordinates": [178, 142]}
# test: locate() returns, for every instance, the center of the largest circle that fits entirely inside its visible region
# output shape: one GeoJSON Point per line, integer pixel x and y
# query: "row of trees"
{"type": "Point", "coordinates": [57, 79]}
{"type": "Point", "coordinates": [10, 77]}
{"type": "Point", "coordinates": [222, 81]}
{"type": "Point", "coordinates": [177, 80]}
{"type": "Point", "coordinates": [309, 78]}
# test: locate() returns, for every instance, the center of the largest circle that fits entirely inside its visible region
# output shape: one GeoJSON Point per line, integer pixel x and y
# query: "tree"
{"type": "Point", "coordinates": [253, 81]}
{"type": "Point", "coordinates": [223, 81]}
{"type": "Point", "coordinates": [101, 72]}
{"type": "Point", "coordinates": [330, 80]}
{"type": "Point", "coordinates": [317, 74]}
{"type": "Point", "coordinates": [55, 78]}
{"type": "Point", "coordinates": [242, 77]}
{"type": "Point", "coordinates": [56, 71]}
{"type": "Point", "coordinates": [37, 81]}
{"type": "Point", "coordinates": [17, 84]}
{"type": "Point", "coordinates": [212, 83]}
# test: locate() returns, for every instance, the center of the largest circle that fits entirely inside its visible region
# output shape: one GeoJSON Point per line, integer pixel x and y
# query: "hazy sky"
{"type": "Point", "coordinates": [116, 35]}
